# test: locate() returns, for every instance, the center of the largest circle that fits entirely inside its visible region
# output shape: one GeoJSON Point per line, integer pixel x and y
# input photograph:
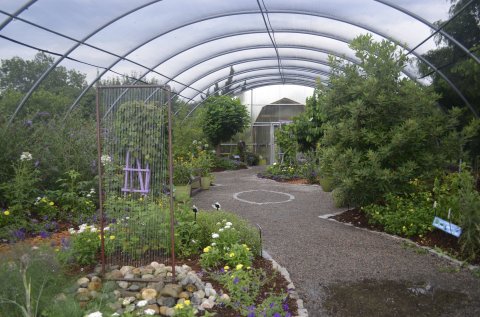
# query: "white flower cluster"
{"type": "Point", "coordinates": [228, 225]}
{"type": "Point", "coordinates": [95, 314]}
{"type": "Point", "coordinates": [149, 311]}
{"type": "Point", "coordinates": [105, 159]}
{"type": "Point", "coordinates": [86, 228]}
{"type": "Point", "coordinates": [92, 191]}
{"type": "Point", "coordinates": [26, 156]}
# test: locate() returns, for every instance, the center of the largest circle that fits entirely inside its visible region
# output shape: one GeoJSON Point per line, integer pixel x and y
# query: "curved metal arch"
{"type": "Point", "coordinates": [433, 27]}
{"type": "Point", "coordinates": [263, 83]}
{"type": "Point", "coordinates": [272, 11]}
{"type": "Point", "coordinates": [235, 13]}
{"type": "Point", "coordinates": [16, 13]}
{"type": "Point", "coordinates": [330, 52]}
{"type": "Point", "coordinates": [240, 62]}
{"type": "Point", "coordinates": [307, 74]}
{"type": "Point", "coordinates": [247, 71]}
{"type": "Point", "coordinates": [70, 50]}
{"type": "Point", "coordinates": [253, 86]}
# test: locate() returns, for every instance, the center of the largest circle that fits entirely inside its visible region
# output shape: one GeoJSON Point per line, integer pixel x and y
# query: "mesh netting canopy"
{"type": "Point", "coordinates": [191, 45]}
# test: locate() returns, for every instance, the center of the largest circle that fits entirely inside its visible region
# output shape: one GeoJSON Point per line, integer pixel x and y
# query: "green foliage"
{"type": "Point", "coordinates": [243, 287]}
{"type": "Point", "coordinates": [138, 127]}
{"type": "Point", "coordinates": [212, 221]}
{"type": "Point", "coordinates": [202, 163]}
{"type": "Point", "coordinates": [409, 215]}
{"type": "Point", "coordinates": [382, 130]}
{"type": "Point", "coordinates": [30, 281]}
{"type": "Point", "coordinates": [222, 118]}
{"type": "Point", "coordinates": [182, 171]}
{"type": "Point", "coordinates": [285, 139]}
{"type": "Point", "coordinates": [456, 193]}
{"type": "Point", "coordinates": [184, 309]}
{"type": "Point", "coordinates": [83, 248]}
{"type": "Point", "coordinates": [274, 306]}
{"type": "Point", "coordinates": [308, 126]}
{"type": "Point", "coordinates": [223, 163]}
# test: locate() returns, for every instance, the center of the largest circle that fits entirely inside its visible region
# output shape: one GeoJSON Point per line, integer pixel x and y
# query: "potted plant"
{"type": "Point", "coordinates": [182, 172]}
{"type": "Point", "coordinates": [204, 166]}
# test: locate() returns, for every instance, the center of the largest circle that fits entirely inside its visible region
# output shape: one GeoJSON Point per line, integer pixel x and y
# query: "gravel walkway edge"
{"type": "Point", "coordinates": [301, 310]}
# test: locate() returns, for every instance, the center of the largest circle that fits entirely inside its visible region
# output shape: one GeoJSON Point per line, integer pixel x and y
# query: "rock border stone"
{"type": "Point", "coordinates": [301, 310]}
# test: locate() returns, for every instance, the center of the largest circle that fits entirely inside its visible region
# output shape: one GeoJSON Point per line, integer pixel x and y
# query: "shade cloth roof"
{"type": "Point", "coordinates": [191, 44]}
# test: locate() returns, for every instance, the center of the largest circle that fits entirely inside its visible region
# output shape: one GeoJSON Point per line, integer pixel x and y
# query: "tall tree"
{"type": "Point", "coordinates": [222, 118]}
{"type": "Point", "coordinates": [453, 61]}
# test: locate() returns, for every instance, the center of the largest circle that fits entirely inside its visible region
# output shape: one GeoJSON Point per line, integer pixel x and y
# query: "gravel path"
{"type": "Point", "coordinates": [319, 253]}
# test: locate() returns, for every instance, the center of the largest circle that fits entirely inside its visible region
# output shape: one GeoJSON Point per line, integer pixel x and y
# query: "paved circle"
{"type": "Point", "coordinates": [256, 196]}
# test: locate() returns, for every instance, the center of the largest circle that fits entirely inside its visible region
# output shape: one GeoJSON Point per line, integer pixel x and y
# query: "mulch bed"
{"type": "Point", "coordinates": [281, 179]}
{"type": "Point", "coordinates": [433, 239]}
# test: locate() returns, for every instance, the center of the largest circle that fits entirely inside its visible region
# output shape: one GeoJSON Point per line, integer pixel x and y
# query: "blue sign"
{"type": "Point", "coordinates": [447, 226]}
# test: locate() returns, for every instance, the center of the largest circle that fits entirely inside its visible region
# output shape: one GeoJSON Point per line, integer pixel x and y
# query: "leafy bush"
{"type": "Point", "coordinates": [408, 215]}
{"type": "Point", "coordinates": [210, 222]}
{"type": "Point", "coordinates": [252, 159]}
{"type": "Point", "coordinates": [381, 130]}
{"type": "Point", "coordinates": [223, 163]}
{"type": "Point", "coordinates": [456, 192]}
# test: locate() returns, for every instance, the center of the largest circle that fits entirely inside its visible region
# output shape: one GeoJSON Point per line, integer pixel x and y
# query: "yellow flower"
{"type": "Point", "coordinates": [6, 212]}
{"type": "Point", "coordinates": [51, 203]}
{"type": "Point", "coordinates": [226, 268]}
{"type": "Point", "coordinates": [231, 255]}
{"type": "Point", "coordinates": [179, 306]}
{"type": "Point", "coordinates": [99, 237]}
{"type": "Point", "coordinates": [187, 302]}
{"type": "Point", "coordinates": [239, 267]}
{"type": "Point", "coordinates": [248, 268]}
{"type": "Point", "coordinates": [207, 249]}
{"type": "Point", "coordinates": [112, 237]}
{"type": "Point", "coordinates": [57, 249]}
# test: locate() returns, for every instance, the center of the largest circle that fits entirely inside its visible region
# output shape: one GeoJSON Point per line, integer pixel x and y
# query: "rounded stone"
{"type": "Point", "coordinates": [94, 286]}
{"type": "Point", "coordinates": [171, 290]}
{"type": "Point", "coordinates": [115, 274]}
{"type": "Point", "coordinates": [149, 293]}
{"type": "Point", "coordinates": [184, 295]}
{"type": "Point", "coordinates": [83, 282]}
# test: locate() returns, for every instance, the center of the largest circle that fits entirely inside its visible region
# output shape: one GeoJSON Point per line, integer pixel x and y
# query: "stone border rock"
{"type": "Point", "coordinates": [302, 311]}
{"type": "Point", "coordinates": [435, 252]}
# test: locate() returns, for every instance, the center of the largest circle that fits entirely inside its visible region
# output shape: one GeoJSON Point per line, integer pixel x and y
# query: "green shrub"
{"type": "Point", "coordinates": [408, 215]}
{"type": "Point", "coordinates": [326, 183]}
{"type": "Point", "coordinates": [456, 192]}
{"type": "Point", "coordinates": [211, 221]}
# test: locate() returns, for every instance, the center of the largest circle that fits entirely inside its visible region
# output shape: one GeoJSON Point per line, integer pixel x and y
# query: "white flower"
{"type": "Point", "coordinates": [89, 195]}
{"type": "Point", "coordinates": [227, 227]}
{"type": "Point", "coordinates": [275, 163]}
{"type": "Point", "coordinates": [214, 152]}
{"type": "Point", "coordinates": [105, 159]}
{"type": "Point", "coordinates": [215, 235]}
{"type": "Point", "coordinates": [71, 231]}
{"type": "Point", "coordinates": [142, 303]}
{"type": "Point", "coordinates": [95, 314]}
{"type": "Point", "coordinates": [106, 228]}
{"type": "Point", "coordinates": [92, 190]}
{"type": "Point", "coordinates": [149, 311]}
{"type": "Point", "coordinates": [228, 224]}
{"type": "Point", "coordinates": [219, 224]}
{"type": "Point", "coordinates": [205, 146]}
{"type": "Point", "coordinates": [194, 241]}
{"type": "Point", "coordinates": [194, 142]}
{"type": "Point", "coordinates": [221, 229]}
{"type": "Point", "coordinates": [26, 156]}
{"type": "Point", "coordinates": [115, 314]}
{"type": "Point", "coordinates": [93, 229]}
{"type": "Point", "coordinates": [213, 244]}
{"type": "Point", "coordinates": [435, 204]}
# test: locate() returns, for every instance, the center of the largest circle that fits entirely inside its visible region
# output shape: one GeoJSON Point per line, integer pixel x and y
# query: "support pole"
{"type": "Point", "coordinates": [170, 172]}
{"type": "Point", "coordinates": [100, 187]}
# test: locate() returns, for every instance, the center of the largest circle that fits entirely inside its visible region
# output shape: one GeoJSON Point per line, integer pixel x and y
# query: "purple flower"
{"type": "Point", "coordinates": [288, 315]}
{"type": "Point", "coordinates": [285, 306]}
{"type": "Point", "coordinates": [19, 234]}
{"type": "Point", "coordinates": [44, 234]}
{"type": "Point", "coordinates": [272, 304]}
{"type": "Point", "coordinates": [236, 280]}
{"type": "Point", "coordinates": [277, 314]}
{"type": "Point", "coordinates": [251, 314]}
